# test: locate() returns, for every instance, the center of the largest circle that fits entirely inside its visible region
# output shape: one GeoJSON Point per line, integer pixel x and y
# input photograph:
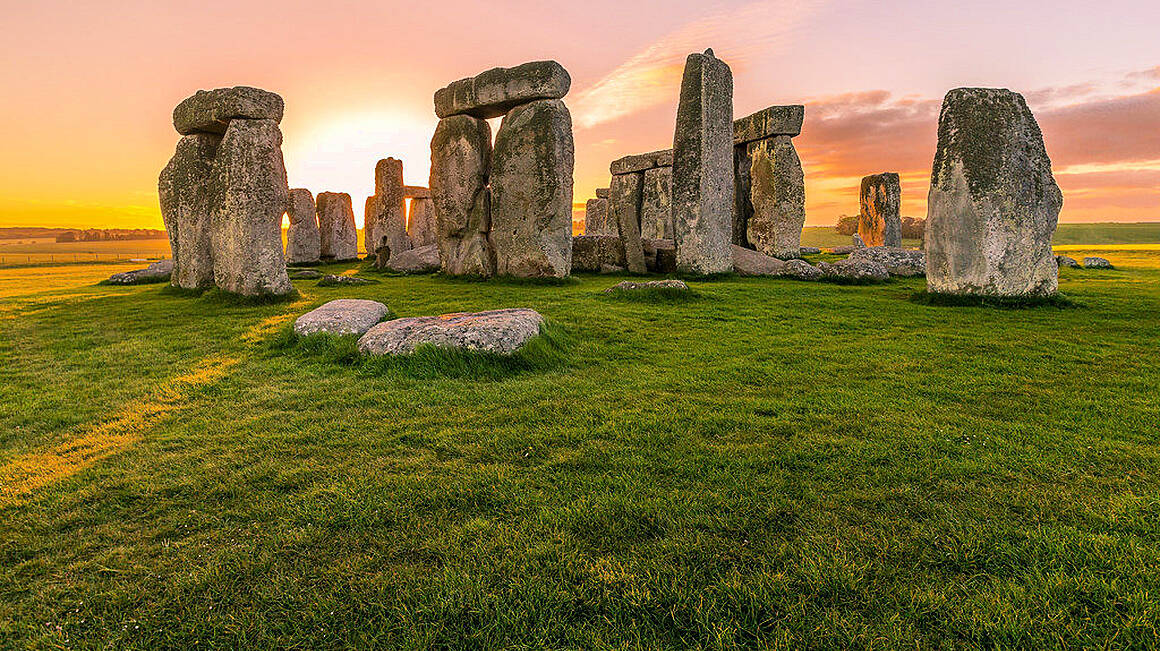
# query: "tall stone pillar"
{"type": "Point", "coordinates": [460, 158]}
{"type": "Point", "coordinates": [339, 234]}
{"type": "Point", "coordinates": [303, 239]}
{"type": "Point", "coordinates": [624, 202]}
{"type": "Point", "coordinates": [778, 196]}
{"type": "Point", "coordinates": [879, 207]}
{"type": "Point", "coordinates": [188, 195]}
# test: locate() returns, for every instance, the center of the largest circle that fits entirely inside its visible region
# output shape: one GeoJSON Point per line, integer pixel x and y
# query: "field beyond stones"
{"type": "Point", "coordinates": [772, 463]}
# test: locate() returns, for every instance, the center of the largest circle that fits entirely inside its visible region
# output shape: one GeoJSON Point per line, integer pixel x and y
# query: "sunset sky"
{"type": "Point", "coordinates": [89, 88]}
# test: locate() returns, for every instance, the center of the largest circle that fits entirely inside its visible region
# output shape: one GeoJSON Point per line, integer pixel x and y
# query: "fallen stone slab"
{"type": "Point", "coordinates": [855, 272]}
{"type": "Point", "coordinates": [1065, 261]}
{"type": "Point", "coordinates": [422, 260]}
{"type": "Point", "coordinates": [305, 274]}
{"type": "Point", "coordinates": [495, 331]}
{"type": "Point", "coordinates": [641, 162]}
{"type": "Point", "coordinates": [331, 280]}
{"type": "Point", "coordinates": [210, 111]}
{"type": "Point", "coordinates": [898, 261]}
{"type": "Point", "coordinates": [630, 286]}
{"type": "Point", "coordinates": [845, 249]}
{"type": "Point", "coordinates": [809, 250]}
{"type": "Point", "coordinates": [1091, 262]}
{"type": "Point", "coordinates": [748, 262]}
{"type": "Point", "coordinates": [768, 123]}
{"type": "Point", "coordinates": [158, 272]}
{"type": "Point", "coordinates": [494, 92]}
{"type": "Point", "coordinates": [344, 316]}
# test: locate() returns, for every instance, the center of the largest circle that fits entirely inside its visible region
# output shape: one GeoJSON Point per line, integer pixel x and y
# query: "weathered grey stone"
{"type": "Point", "coordinates": [854, 272]}
{"type": "Point", "coordinates": [591, 253]}
{"type": "Point", "coordinates": [385, 221]}
{"type": "Point", "coordinates": [416, 192]}
{"type": "Point", "coordinates": [898, 261]}
{"type": "Point", "coordinates": [596, 217]}
{"type": "Point", "coordinates": [493, 93]}
{"type": "Point", "coordinates": [602, 193]}
{"type": "Point", "coordinates": [1065, 261]}
{"type": "Point", "coordinates": [422, 260]}
{"type": "Point", "coordinates": [703, 167]}
{"type": "Point", "coordinates": [624, 208]}
{"type": "Point", "coordinates": [460, 159]}
{"type": "Point", "coordinates": [188, 196]}
{"type": "Point", "coordinates": [810, 250]}
{"type": "Point", "coordinates": [778, 196]}
{"type": "Point", "coordinates": [531, 191]}
{"type": "Point", "coordinates": [339, 234]}
{"type": "Point", "coordinates": [344, 316]}
{"type": "Point", "coordinates": [656, 206]}
{"type": "Point", "coordinates": [880, 203]}
{"type": "Point", "coordinates": [858, 243]}
{"type": "Point", "coordinates": [742, 203]}
{"type": "Point", "coordinates": [993, 202]}
{"type": "Point", "coordinates": [421, 226]}
{"type": "Point", "coordinates": [1092, 262]}
{"type": "Point", "coordinates": [495, 331]}
{"type": "Point", "coordinates": [305, 274]}
{"type": "Point", "coordinates": [747, 262]}
{"type": "Point", "coordinates": [660, 255]}
{"type": "Point", "coordinates": [332, 280]}
{"type": "Point", "coordinates": [630, 286]}
{"type": "Point", "coordinates": [303, 239]}
{"type": "Point", "coordinates": [158, 272]}
{"type": "Point", "coordinates": [641, 162]}
{"type": "Point", "coordinates": [210, 111]}
{"type": "Point", "coordinates": [768, 123]}
{"type": "Point", "coordinates": [250, 179]}
{"type": "Point", "coordinates": [844, 249]}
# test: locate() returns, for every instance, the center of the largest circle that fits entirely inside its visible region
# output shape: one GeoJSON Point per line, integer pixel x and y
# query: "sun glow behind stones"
{"type": "Point", "coordinates": [339, 154]}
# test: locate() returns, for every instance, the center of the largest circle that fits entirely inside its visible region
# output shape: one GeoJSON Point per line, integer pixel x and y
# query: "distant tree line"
{"type": "Point", "coordinates": [102, 234]}
{"type": "Point", "coordinates": [912, 227]}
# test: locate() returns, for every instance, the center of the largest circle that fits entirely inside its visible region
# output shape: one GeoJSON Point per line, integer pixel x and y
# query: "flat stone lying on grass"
{"type": "Point", "coordinates": [630, 286]}
{"type": "Point", "coordinates": [424, 259]}
{"type": "Point", "coordinates": [855, 272]}
{"type": "Point", "coordinates": [1092, 262]}
{"type": "Point", "coordinates": [345, 316]}
{"type": "Point", "coordinates": [748, 262]}
{"type": "Point", "coordinates": [305, 274]}
{"type": "Point", "coordinates": [897, 260]}
{"type": "Point", "coordinates": [495, 331]}
{"type": "Point", "coordinates": [809, 250]}
{"type": "Point", "coordinates": [845, 249]}
{"type": "Point", "coordinates": [331, 280]}
{"type": "Point", "coordinates": [1065, 261]}
{"type": "Point", "coordinates": [158, 272]}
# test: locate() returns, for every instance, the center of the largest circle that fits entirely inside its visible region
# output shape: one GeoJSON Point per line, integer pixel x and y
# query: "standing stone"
{"type": "Point", "coordinates": [339, 235]}
{"type": "Point", "coordinates": [187, 196]}
{"type": "Point", "coordinates": [421, 228]}
{"type": "Point", "coordinates": [386, 220]}
{"type": "Point", "coordinates": [993, 202]}
{"type": "Point", "coordinates": [742, 202]}
{"type": "Point", "coordinates": [624, 204]}
{"type": "Point", "coordinates": [460, 157]}
{"type": "Point", "coordinates": [494, 92]}
{"type": "Point", "coordinates": [247, 230]}
{"type": "Point", "coordinates": [703, 167]}
{"type": "Point", "coordinates": [656, 206]}
{"type": "Point", "coordinates": [596, 217]}
{"type": "Point", "coordinates": [880, 202]}
{"type": "Point", "coordinates": [778, 196]}
{"type": "Point", "coordinates": [303, 240]}
{"type": "Point", "coordinates": [531, 191]}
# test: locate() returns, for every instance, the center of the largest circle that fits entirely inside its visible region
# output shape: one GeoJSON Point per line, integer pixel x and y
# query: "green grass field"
{"type": "Point", "coordinates": [772, 464]}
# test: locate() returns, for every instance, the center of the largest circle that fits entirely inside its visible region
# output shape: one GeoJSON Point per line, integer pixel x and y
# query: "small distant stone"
{"type": "Point", "coordinates": [331, 280]}
{"type": "Point", "coordinates": [495, 331]}
{"type": "Point", "coordinates": [1065, 261]}
{"type": "Point", "coordinates": [845, 249]}
{"type": "Point", "coordinates": [158, 272]}
{"type": "Point", "coordinates": [611, 269]}
{"type": "Point", "coordinates": [424, 259]}
{"type": "Point", "coordinates": [859, 243]}
{"type": "Point", "coordinates": [856, 272]}
{"type": "Point", "coordinates": [897, 260]}
{"type": "Point", "coordinates": [630, 286]}
{"type": "Point", "coordinates": [810, 250]}
{"type": "Point", "coordinates": [345, 316]}
{"type": "Point", "coordinates": [748, 262]}
{"type": "Point", "coordinates": [1092, 262]}
{"type": "Point", "coordinates": [305, 274]}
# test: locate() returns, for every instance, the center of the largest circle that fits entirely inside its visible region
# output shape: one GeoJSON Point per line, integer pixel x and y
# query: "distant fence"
{"type": "Point", "coordinates": [27, 259]}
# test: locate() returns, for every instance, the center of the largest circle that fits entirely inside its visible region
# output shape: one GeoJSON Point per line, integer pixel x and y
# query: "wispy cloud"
{"type": "Point", "coordinates": [653, 75]}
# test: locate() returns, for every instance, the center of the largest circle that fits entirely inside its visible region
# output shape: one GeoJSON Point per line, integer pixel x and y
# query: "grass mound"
{"type": "Point", "coordinates": [653, 295]}
{"type": "Point", "coordinates": [1057, 300]}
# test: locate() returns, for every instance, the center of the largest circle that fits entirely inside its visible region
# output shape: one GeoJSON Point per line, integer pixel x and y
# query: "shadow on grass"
{"type": "Point", "coordinates": [510, 281]}
{"type": "Point", "coordinates": [221, 297]}
{"type": "Point", "coordinates": [1058, 301]}
{"type": "Point", "coordinates": [546, 352]}
{"type": "Point", "coordinates": [144, 281]}
{"type": "Point", "coordinates": [653, 295]}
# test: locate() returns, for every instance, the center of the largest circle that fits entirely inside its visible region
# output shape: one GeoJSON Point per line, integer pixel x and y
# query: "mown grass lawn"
{"type": "Point", "coordinates": [775, 463]}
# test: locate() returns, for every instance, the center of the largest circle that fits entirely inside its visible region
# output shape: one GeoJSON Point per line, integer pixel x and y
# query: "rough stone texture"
{"type": "Point", "coordinates": [656, 205]}
{"type": "Point", "coordinates": [385, 221]}
{"type": "Point", "coordinates": [250, 179]}
{"type": "Point", "coordinates": [305, 274]}
{"type": "Point", "coordinates": [416, 192]}
{"type": "Point", "coordinates": [630, 286]}
{"type": "Point", "coordinates": [748, 262]}
{"type": "Point", "coordinates": [596, 217]}
{"type": "Point", "coordinates": [1065, 261]}
{"type": "Point", "coordinates": [660, 255]}
{"type": "Point", "coordinates": [531, 191]}
{"type": "Point", "coordinates": [158, 272]}
{"type": "Point", "coordinates": [496, 331]}
{"type": "Point", "coordinates": [810, 250]}
{"type": "Point", "coordinates": [591, 253]}
{"type": "Point", "coordinates": [187, 196]}
{"type": "Point", "coordinates": [421, 227]}
{"type": "Point", "coordinates": [844, 249]}
{"type": "Point", "coordinates": [858, 243]}
{"type": "Point", "coordinates": [422, 260]}
{"type": "Point", "coordinates": [703, 167]}
{"type": "Point", "coordinates": [602, 193]}
{"type": "Point", "coordinates": [460, 158]}
{"type": "Point", "coordinates": [898, 261]}
{"type": "Point", "coordinates": [879, 203]}
{"type": "Point", "coordinates": [993, 202]}
{"type": "Point", "coordinates": [339, 235]}
{"type": "Point", "coordinates": [854, 272]}
{"type": "Point", "coordinates": [624, 208]}
{"type": "Point", "coordinates": [493, 93]}
{"type": "Point", "coordinates": [1092, 262]}
{"type": "Point", "coordinates": [332, 280]}
{"type": "Point", "coordinates": [778, 196]}
{"type": "Point", "coordinates": [768, 123]}
{"type": "Point", "coordinates": [210, 111]}
{"type": "Point", "coordinates": [641, 162]}
{"type": "Point", "coordinates": [303, 239]}
{"type": "Point", "coordinates": [344, 316]}
{"type": "Point", "coordinates": [742, 204]}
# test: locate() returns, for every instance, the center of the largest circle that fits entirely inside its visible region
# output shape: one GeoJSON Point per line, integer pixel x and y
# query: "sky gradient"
{"type": "Point", "coordinates": [90, 88]}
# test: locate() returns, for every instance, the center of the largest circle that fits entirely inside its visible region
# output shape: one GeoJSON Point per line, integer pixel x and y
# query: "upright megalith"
{"type": "Point", "coordinates": [303, 239]}
{"type": "Point", "coordinates": [596, 217]}
{"type": "Point", "coordinates": [421, 227]}
{"type": "Point", "coordinates": [460, 160]}
{"type": "Point", "coordinates": [339, 234]}
{"type": "Point", "coordinates": [703, 167]}
{"type": "Point", "coordinates": [993, 202]}
{"type": "Point", "coordinates": [625, 196]}
{"type": "Point", "coordinates": [494, 92]}
{"type": "Point", "coordinates": [656, 204]}
{"type": "Point", "coordinates": [224, 192]}
{"type": "Point", "coordinates": [778, 196]}
{"type": "Point", "coordinates": [531, 191]}
{"type": "Point", "coordinates": [879, 210]}
{"type": "Point", "coordinates": [385, 221]}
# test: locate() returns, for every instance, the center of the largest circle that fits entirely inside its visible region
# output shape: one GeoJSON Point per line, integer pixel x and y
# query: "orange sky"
{"type": "Point", "coordinates": [89, 88]}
